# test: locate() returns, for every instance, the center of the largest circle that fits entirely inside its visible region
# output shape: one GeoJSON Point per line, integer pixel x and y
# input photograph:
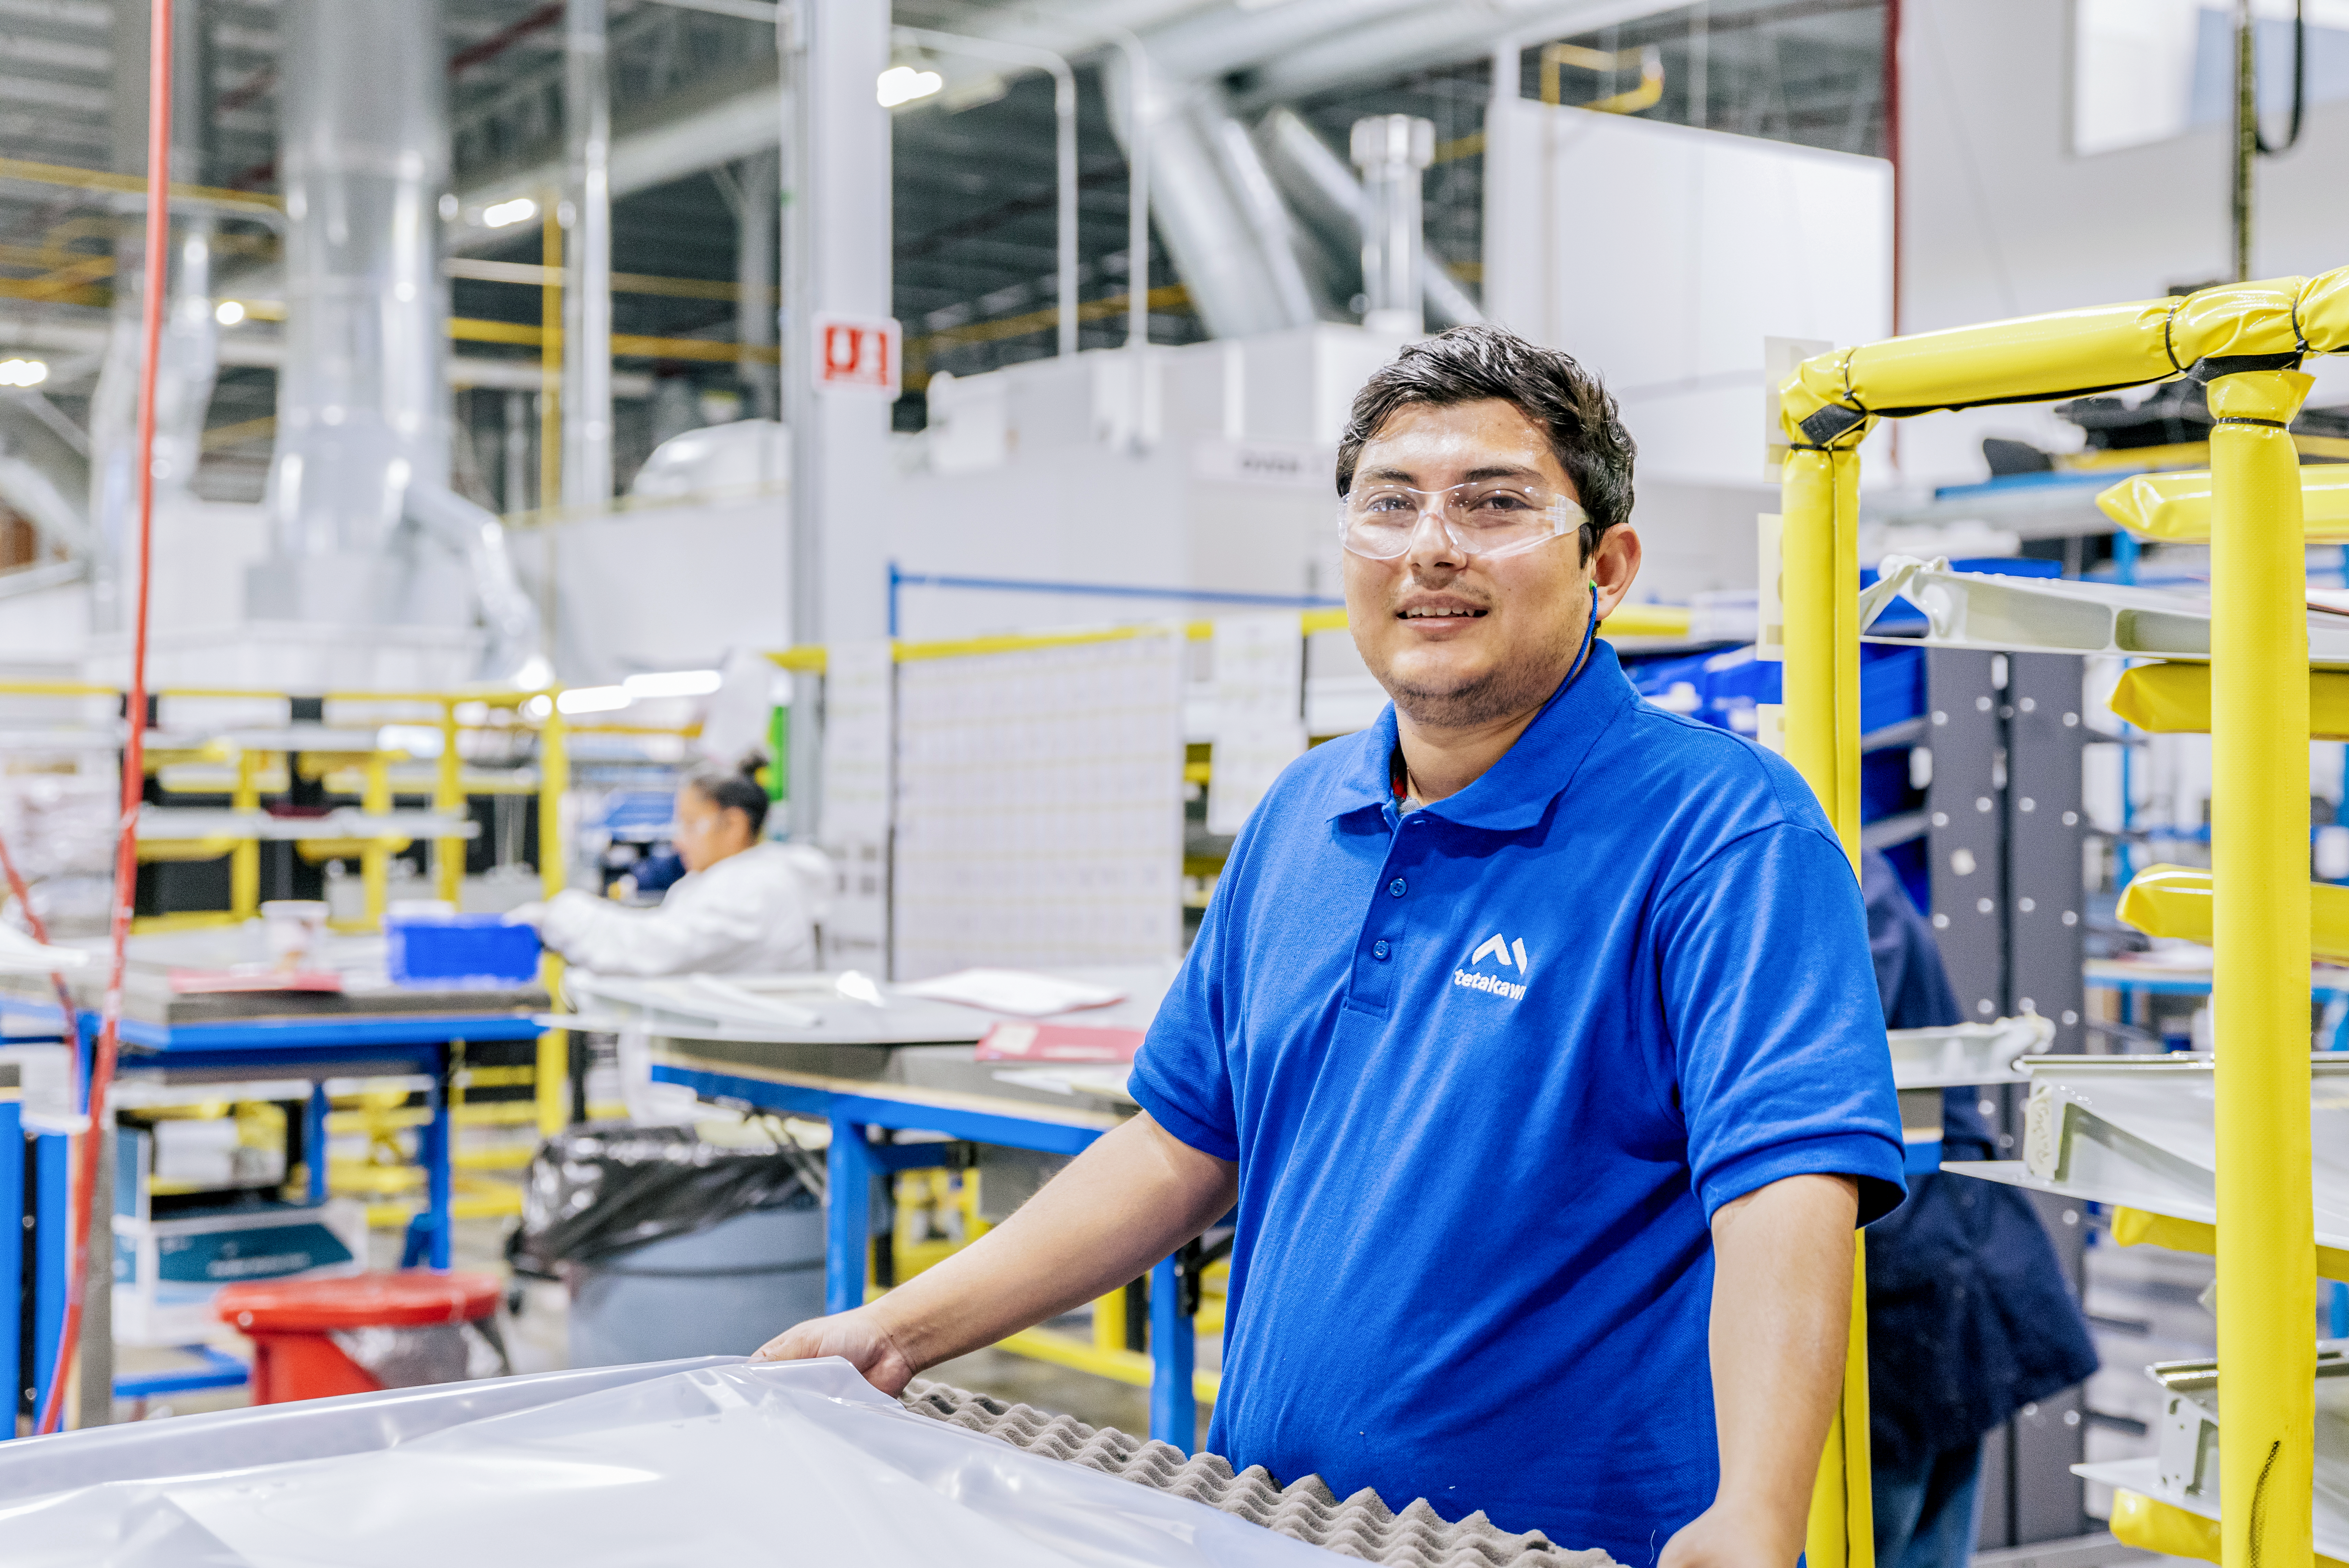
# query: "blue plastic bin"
{"type": "Point", "coordinates": [444, 951]}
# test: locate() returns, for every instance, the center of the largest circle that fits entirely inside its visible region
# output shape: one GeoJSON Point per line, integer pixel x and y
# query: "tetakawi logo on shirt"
{"type": "Point", "coordinates": [1502, 954]}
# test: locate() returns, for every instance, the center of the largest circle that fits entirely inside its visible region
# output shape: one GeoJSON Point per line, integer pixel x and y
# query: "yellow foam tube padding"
{"type": "Point", "coordinates": [2175, 699]}
{"type": "Point", "coordinates": [2178, 901]}
{"type": "Point", "coordinates": [2073, 351]}
{"type": "Point", "coordinates": [2136, 1227]}
{"type": "Point", "coordinates": [1647, 621]}
{"type": "Point", "coordinates": [2176, 506]}
{"type": "Point", "coordinates": [2151, 1525]}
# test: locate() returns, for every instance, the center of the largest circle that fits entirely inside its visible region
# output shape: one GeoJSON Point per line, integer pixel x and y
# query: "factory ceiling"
{"type": "Point", "coordinates": [693, 94]}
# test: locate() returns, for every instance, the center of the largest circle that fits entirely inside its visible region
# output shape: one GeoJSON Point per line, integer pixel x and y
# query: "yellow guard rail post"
{"type": "Point", "coordinates": [1820, 539]}
{"type": "Point", "coordinates": [554, 1046]}
{"type": "Point", "coordinates": [449, 798]}
{"type": "Point", "coordinates": [2245, 341]}
{"type": "Point", "coordinates": [2258, 991]}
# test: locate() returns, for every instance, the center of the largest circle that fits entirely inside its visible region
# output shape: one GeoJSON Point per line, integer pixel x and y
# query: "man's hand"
{"type": "Point", "coordinates": [859, 1337]}
{"type": "Point", "coordinates": [1133, 1197]}
{"type": "Point", "coordinates": [1716, 1538]}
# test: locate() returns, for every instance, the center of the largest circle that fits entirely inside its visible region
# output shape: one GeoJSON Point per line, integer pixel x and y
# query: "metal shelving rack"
{"type": "Point", "coordinates": [2245, 342]}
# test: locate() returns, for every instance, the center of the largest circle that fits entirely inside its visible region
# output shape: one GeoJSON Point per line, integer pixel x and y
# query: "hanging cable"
{"type": "Point", "coordinates": [2299, 86]}
{"type": "Point", "coordinates": [157, 269]}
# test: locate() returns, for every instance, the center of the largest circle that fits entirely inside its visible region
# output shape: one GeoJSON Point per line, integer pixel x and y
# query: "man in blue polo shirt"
{"type": "Point", "coordinates": [1532, 1032]}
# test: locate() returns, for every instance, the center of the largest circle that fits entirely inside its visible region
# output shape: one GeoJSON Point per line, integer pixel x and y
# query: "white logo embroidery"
{"type": "Point", "coordinates": [1500, 950]}
{"type": "Point", "coordinates": [1504, 952]}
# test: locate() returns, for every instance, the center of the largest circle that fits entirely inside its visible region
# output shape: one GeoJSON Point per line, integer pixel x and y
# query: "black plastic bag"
{"type": "Point", "coordinates": [594, 1192]}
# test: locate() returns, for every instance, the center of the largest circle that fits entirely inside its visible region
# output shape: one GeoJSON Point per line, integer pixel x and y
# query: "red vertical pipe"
{"type": "Point", "coordinates": [158, 270]}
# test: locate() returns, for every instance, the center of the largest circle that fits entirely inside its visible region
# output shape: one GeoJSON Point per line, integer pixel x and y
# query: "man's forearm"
{"type": "Point", "coordinates": [1135, 1196]}
{"type": "Point", "coordinates": [1781, 1322]}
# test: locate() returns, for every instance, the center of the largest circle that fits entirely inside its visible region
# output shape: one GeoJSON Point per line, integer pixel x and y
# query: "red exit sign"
{"type": "Point", "coordinates": [856, 354]}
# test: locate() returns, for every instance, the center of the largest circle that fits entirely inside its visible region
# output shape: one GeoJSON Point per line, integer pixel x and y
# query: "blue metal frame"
{"type": "Point", "coordinates": [421, 1043]}
{"type": "Point", "coordinates": [853, 1163]}
{"type": "Point", "coordinates": [11, 1257]}
{"type": "Point", "coordinates": [220, 1371]}
{"type": "Point", "coordinates": [51, 1255]}
{"type": "Point", "coordinates": [898, 580]}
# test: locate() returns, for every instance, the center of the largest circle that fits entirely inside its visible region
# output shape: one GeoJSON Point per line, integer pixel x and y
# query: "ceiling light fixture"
{"type": "Point", "coordinates": [23, 372]}
{"type": "Point", "coordinates": [505, 214]}
{"type": "Point", "coordinates": [228, 312]}
{"type": "Point", "coordinates": [904, 83]}
{"type": "Point", "coordinates": [592, 699]}
{"type": "Point", "coordinates": [673, 683]}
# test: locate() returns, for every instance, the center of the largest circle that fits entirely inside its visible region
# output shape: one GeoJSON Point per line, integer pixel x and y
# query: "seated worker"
{"type": "Point", "coordinates": [1969, 1319]}
{"type": "Point", "coordinates": [744, 907]}
{"type": "Point", "coordinates": [1531, 1030]}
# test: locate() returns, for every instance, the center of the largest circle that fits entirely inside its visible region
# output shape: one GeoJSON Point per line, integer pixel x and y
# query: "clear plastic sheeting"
{"type": "Point", "coordinates": [714, 1461]}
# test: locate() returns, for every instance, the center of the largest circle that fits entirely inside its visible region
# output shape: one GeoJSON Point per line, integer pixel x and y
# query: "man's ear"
{"type": "Point", "coordinates": [1614, 566]}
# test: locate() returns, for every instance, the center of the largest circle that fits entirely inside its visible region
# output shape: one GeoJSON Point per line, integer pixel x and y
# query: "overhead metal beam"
{"type": "Point", "coordinates": [698, 133]}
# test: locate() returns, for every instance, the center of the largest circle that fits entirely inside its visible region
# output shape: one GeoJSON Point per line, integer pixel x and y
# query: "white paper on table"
{"type": "Point", "coordinates": [1259, 724]}
{"type": "Point", "coordinates": [20, 955]}
{"type": "Point", "coordinates": [1018, 991]}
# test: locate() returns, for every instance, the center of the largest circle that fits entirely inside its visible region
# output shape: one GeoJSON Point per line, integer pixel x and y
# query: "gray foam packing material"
{"type": "Point", "coordinates": [1361, 1526]}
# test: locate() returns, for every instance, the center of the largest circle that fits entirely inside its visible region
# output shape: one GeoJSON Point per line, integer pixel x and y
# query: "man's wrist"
{"type": "Point", "coordinates": [903, 1331]}
{"type": "Point", "coordinates": [1764, 1513]}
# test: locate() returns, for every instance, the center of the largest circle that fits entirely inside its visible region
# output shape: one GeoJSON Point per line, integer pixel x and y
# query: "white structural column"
{"type": "Point", "coordinates": [587, 258]}
{"type": "Point", "coordinates": [761, 179]}
{"type": "Point", "coordinates": [836, 264]}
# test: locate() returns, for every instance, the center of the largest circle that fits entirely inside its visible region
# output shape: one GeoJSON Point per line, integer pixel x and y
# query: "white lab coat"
{"type": "Point", "coordinates": [751, 914]}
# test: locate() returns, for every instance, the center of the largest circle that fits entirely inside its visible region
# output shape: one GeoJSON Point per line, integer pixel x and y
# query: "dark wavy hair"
{"type": "Point", "coordinates": [1470, 364]}
{"type": "Point", "coordinates": [735, 789]}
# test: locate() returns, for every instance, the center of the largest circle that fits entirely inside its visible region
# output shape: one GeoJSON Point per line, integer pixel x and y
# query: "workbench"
{"type": "Point", "coordinates": [369, 1029]}
{"type": "Point", "coordinates": [895, 1063]}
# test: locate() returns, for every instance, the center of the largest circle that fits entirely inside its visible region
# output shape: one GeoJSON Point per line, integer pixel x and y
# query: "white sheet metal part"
{"type": "Point", "coordinates": [2139, 1131]}
{"type": "Point", "coordinates": [20, 955]}
{"type": "Point", "coordinates": [838, 1009]}
{"type": "Point", "coordinates": [711, 1462]}
{"type": "Point", "coordinates": [1967, 1052]}
{"type": "Point", "coordinates": [2051, 615]}
{"type": "Point", "coordinates": [2184, 1471]}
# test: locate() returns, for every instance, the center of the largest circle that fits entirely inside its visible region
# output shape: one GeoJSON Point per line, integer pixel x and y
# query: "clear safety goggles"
{"type": "Point", "coordinates": [1483, 518]}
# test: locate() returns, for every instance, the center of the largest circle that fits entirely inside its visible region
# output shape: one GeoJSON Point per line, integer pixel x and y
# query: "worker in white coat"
{"type": "Point", "coordinates": [744, 907]}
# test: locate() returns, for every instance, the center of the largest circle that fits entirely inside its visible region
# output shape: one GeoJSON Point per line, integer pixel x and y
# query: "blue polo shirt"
{"type": "Point", "coordinates": [1487, 1071]}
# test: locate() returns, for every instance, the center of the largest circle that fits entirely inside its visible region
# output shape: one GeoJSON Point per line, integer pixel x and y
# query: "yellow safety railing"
{"type": "Point", "coordinates": [1627, 621]}
{"type": "Point", "coordinates": [2175, 508]}
{"type": "Point", "coordinates": [2245, 341]}
{"type": "Point", "coordinates": [2175, 699]}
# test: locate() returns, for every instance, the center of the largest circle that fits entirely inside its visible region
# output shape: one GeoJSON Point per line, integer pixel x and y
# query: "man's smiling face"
{"type": "Point", "coordinates": [1460, 640]}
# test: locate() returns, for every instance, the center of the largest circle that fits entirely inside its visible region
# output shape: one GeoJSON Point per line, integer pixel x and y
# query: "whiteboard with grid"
{"type": "Point", "coordinates": [1039, 808]}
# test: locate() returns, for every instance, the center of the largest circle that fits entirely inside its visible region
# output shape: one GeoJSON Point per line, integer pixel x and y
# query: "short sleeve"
{"type": "Point", "coordinates": [1777, 1035]}
{"type": "Point", "coordinates": [1180, 1075]}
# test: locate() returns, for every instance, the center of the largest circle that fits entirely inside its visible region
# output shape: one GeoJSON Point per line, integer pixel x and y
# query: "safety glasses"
{"type": "Point", "coordinates": [1483, 518]}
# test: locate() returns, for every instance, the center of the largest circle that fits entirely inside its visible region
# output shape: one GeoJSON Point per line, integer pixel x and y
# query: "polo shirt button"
{"type": "Point", "coordinates": [1379, 948]}
{"type": "Point", "coordinates": [1396, 887]}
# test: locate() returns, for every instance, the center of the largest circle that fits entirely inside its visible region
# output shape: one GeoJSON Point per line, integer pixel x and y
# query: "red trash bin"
{"type": "Point", "coordinates": [292, 1324]}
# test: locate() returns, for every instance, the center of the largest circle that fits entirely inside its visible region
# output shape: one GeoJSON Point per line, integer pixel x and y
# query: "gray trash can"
{"type": "Point", "coordinates": [724, 1291]}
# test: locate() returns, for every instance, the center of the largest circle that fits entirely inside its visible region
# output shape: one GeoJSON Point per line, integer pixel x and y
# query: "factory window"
{"type": "Point", "coordinates": [2149, 70]}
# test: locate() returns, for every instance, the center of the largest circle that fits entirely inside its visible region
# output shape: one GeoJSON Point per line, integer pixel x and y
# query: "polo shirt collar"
{"type": "Point", "coordinates": [1516, 791]}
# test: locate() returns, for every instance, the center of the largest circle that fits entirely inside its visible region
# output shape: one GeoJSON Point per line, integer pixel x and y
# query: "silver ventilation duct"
{"type": "Point", "coordinates": [586, 256]}
{"type": "Point", "coordinates": [1216, 208]}
{"type": "Point", "coordinates": [1332, 205]}
{"type": "Point", "coordinates": [1393, 150]}
{"type": "Point", "coordinates": [187, 362]}
{"type": "Point", "coordinates": [362, 399]}
{"type": "Point", "coordinates": [43, 476]}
